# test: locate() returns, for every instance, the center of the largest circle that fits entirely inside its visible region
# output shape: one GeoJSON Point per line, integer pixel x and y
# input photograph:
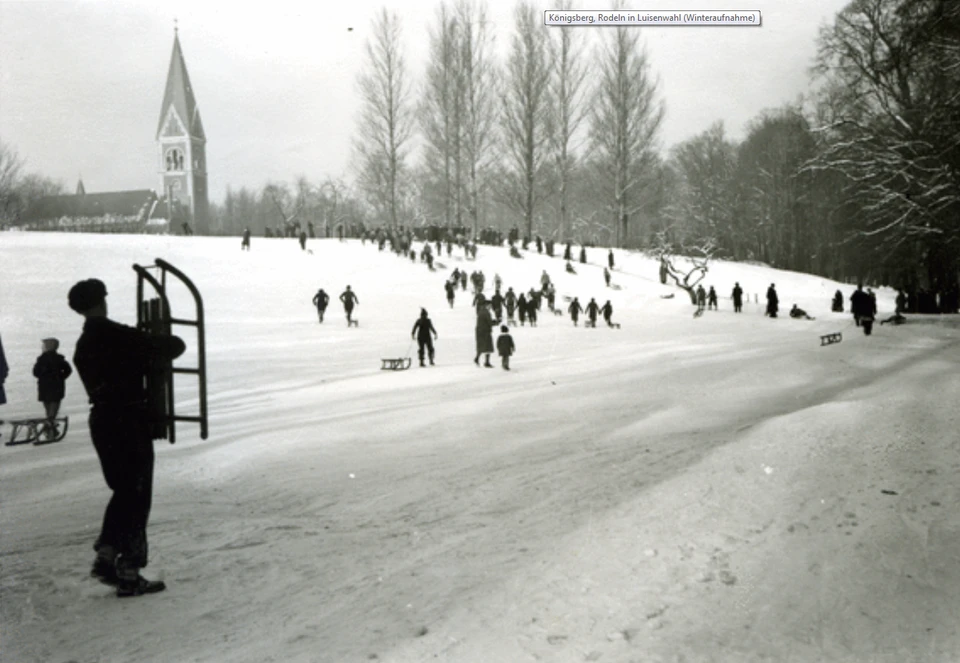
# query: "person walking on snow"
{"type": "Point", "coordinates": [484, 335]}
{"type": "Point", "coordinates": [522, 308]}
{"type": "Point", "coordinates": [245, 242]}
{"type": "Point", "coordinates": [532, 311]}
{"type": "Point", "coordinates": [606, 276]}
{"type": "Point", "coordinates": [610, 259]}
{"type": "Point", "coordinates": [505, 347]}
{"type": "Point", "coordinates": [496, 303]}
{"type": "Point", "coordinates": [511, 302]}
{"type": "Point", "coordinates": [449, 287]}
{"type": "Point", "coordinates": [575, 310]}
{"type": "Point", "coordinates": [592, 310]}
{"type": "Point", "coordinates": [712, 299]}
{"type": "Point", "coordinates": [349, 299]}
{"type": "Point", "coordinates": [701, 298]}
{"type": "Point", "coordinates": [607, 311]}
{"type": "Point", "coordinates": [422, 329]}
{"type": "Point", "coordinates": [320, 300]}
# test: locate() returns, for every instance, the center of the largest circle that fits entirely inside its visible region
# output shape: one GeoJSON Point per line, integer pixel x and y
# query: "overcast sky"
{"type": "Point", "coordinates": [81, 82]}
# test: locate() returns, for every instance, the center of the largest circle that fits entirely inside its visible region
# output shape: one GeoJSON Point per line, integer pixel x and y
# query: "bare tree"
{"type": "Point", "coordinates": [624, 121]}
{"type": "Point", "coordinates": [386, 119]}
{"type": "Point", "coordinates": [476, 78]}
{"type": "Point", "coordinates": [567, 87]}
{"type": "Point", "coordinates": [439, 114]}
{"type": "Point", "coordinates": [525, 113]}
{"type": "Point", "coordinates": [10, 166]}
{"type": "Point", "coordinates": [696, 255]}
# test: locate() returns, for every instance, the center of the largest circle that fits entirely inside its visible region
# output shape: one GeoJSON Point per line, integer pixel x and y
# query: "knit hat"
{"type": "Point", "coordinates": [87, 294]}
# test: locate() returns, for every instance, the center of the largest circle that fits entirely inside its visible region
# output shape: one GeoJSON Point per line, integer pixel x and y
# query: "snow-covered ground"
{"type": "Point", "coordinates": [680, 489]}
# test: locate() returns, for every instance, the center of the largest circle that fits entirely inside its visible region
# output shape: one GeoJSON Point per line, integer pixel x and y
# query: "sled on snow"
{"type": "Point", "coordinates": [830, 339]}
{"type": "Point", "coordinates": [669, 296]}
{"type": "Point", "coordinates": [154, 316]}
{"type": "Point", "coordinates": [353, 323]}
{"type": "Point", "coordinates": [398, 364]}
{"type": "Point", "coordinates": [38, 431]}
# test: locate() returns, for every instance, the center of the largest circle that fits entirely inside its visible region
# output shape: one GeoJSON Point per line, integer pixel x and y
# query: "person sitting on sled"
{"type": "Point", "coordinates": [797, 312]}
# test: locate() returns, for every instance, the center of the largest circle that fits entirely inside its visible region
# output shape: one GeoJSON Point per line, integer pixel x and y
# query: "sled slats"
{"type": "Point", "coordinates": [830, 339]}
{"type": "Point", "coordinates": [400, 364]}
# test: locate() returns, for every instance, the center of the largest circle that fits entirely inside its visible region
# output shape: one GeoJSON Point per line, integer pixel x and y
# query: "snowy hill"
{"type": "Point", "coordinates": [711, 489]}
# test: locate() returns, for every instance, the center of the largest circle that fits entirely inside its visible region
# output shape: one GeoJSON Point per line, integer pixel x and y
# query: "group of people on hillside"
{"type": "Point", "coordinates": [348, 298]}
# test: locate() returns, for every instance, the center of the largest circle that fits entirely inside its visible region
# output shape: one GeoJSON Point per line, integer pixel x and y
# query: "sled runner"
{"type": "Point", "coordinates": [830, 339]}
{"type": "Point", "coordinates": [698, 313]}
{"type": "Point", "coordinates": [38, 431]}
{"type": "Point", "coordinates": [399, 364]}
{"type": "Point", "coordinates": [155, 317]}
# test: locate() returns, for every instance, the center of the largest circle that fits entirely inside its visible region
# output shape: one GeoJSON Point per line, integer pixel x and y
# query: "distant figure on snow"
{"type": "Point", "coordinates": [701, 298]}
{"type": "Point", "coordinates": [303, 240]}
{"type": "Point", "coordinates": [583, 255]}
{"type": "Point", "coordinates": [349, 299]}
{"type": "Point", "coordinates": [422, 329]}
{"type": "Point", "coordinates": [606, 276]}
{"type": "Point", "coordinates": [607, 311]}
{"type": "Point", "coordinates": [245, 242]}
{"type": "Point", "coordinates": [449, 286]}
{"type": "Point", "coordinates": [797, 312]}
{"type": "Point", "coordinates": [51, 371]}
{"type": "Point", "coordinates": [522, 308]}
{"type": "Point", "coordinates": [496, 302]}
{"type": "Point", "coordinates": [712, 299]}
{"type": "Point", "coordinates": [610, 259]}
{"type": "Point", "coordinates": [773, 302]}
{"type": "Point", "coordinates": [570, 269]}
{"type": "Point", "coordinates": [505, 347]}
{"type": "Point", "coordinates": [592, 310]}
{"type": "Point", "coordinates": [737, 297]}
{"type": "Point", "coordinates": [859, 304]}
{"type": "Point", "coordinates": [484, 335]}
{"type": "Point", "coordinates": [320, 300]}
{"type": "Point", "coordinates": [575, 310]}
{"type": "Point", "coordinates": [837, 304]}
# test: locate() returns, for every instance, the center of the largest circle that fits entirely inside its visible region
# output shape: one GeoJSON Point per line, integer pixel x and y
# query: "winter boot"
{"type": "Point", "coordinates": [104, 566]}
{"type": "Point", "coordinates": [131, 583]}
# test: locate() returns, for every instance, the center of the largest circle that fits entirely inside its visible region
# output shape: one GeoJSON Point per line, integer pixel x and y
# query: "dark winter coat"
{"type": "Point", "coordinates": [484, 331]}
{"type": "Point", "coordinates": [423, 327]}
{"type": "Point", "coordinates": [505, 345]}
{"type": "Point", "coordinates": [773, 301]}
{"type": "Point", "coordinates": [860, 304]}
{"type": "Point", "coordinates": [51, 371]}
{"type": "Point", "coordinates": [349, 299]}
{"type": "Point", "coordinates": [737, 295]}
{"type": "Point", "coordinates": [320, 300]}
{"type": "Point", "coordinates": [592, 310]}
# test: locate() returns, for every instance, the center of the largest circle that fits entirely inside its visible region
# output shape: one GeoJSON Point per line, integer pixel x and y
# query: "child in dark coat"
{"type": "Point", "coordinates": [51, 371]}
{"type": "Point", "coordinates": [505, 346]}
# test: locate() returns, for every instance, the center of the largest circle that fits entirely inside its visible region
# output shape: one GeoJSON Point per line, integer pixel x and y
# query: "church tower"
{"type": "Point", "coordinates": [182, 149]}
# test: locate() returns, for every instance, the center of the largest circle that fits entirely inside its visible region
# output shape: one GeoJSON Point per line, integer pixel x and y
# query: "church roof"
{"type": "Point", "coordinates": [119, 203]}
{"type": "Point", "coordinates": [179, 95]}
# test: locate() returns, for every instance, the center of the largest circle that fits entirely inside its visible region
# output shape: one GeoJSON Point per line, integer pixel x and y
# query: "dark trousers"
{"type": "Point", "coordinates": [428, 344]}
{"type": "Point", "coordinates": [320, 312]}
{"type": "Point", "coordinates": [123, 444]}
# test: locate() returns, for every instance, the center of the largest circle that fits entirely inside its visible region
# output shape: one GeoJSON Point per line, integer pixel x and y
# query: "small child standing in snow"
{"type": "Point", "coordinates": [505, 346]}
{"type": "Point", "coordinates": [51, 371]}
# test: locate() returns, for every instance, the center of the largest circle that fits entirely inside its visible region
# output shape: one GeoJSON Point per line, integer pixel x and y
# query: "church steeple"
{"type": "Point", "coordinates": [182, 146]}
{"type": "Point", "coordinates": [80, 188]}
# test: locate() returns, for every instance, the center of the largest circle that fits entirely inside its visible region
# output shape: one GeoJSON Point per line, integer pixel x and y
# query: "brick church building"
{"type": "Point", "coordinates": [181, 200]}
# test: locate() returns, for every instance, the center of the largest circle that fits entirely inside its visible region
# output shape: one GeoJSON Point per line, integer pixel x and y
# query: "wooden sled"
{"type": "Point", "coordinates": [400, 364]}
{"type": "Point", "coordinates": [155, 316]}
{"type": "Point", "coordinates": [616, 286]}
{"type": "Point", "coordinates": [669, 296]}
{"type": "Point", "coordinates": [698, 313]}
{"type": "Point", "coordinates": [38, 431]}
{"type": "Point", "coordinates": [353, 323]}
{"type": "Point", "coordinates": [830, 339]}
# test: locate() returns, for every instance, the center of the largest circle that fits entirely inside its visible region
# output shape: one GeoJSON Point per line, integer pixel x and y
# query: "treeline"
{"type": "Point", "coordinates": [18, 188]}
{"type": "Point", "coordinates": [859, 179]}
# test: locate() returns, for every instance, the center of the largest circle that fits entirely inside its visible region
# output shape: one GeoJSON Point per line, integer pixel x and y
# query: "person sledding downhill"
{"type": "Point", "coordinates": [422, 329]}
{"type": "Point", "coordinates": [320, 300]}
{"type": "Point", "coordinates": [593, 309]}
{"type": "Point", "coordinates": [797, 312]}
{"type": "Point", "coordinates": [575, 310]}
{"type": "Point", "coordinates": [349, 299]}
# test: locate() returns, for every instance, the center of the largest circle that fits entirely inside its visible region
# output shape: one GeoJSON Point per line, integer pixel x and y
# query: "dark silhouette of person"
{"type": "Point", "coordinates": [245, 242]}
{"type": "Point", "coordinates": [592, 310]}
{"type": "Point", "coordinates": [505, 347]}
{"type": "Point", "coordinates": [797, 312]}
{"type": "Point", "coordinates": [712, 299]}
{"type": "Point", "coordinates": [610, 259]}
{"type": "Point", "coordinates": [450, 289]}
{"type": "Point", "coordinates": [583, 255]}
{"type": "Point", "coordinates": [522, 308]}
{"type": "Point", "coordinates": [607, 311]}
{"type": "Point", "coordinates": [320, 300]}
{"type": "Point", "coordinates": [349, 299]}
{"type": "Point", "coordinates": [112, 361]}
{"type": "Point", "coordinates": [568, 252]}
{"type": "Point", "coordinates": [606, 276]}
{"type": "Point", "coordinates": [303, 240]}
{"type": "Point", "coordinates": [701, 298]}
{"type": "Point", "coordinates": [575, 310]}
{"type": "Point", "coordinates": [484, 334]}
{"type": "Point", "coordinates": [859, 304]}
{"type": "Point", "coordinates": [422, 329]}
{"type": "Point", "coordinates": [773, 301]}
{"type": "Point", "coordinates": [51, 370]}
{"type": "Point", "coordinates": [737, 297]}
{"type": "Point", "coordinates": [837, 304]}
{"type": "Point", "coordinates": [496, 303]}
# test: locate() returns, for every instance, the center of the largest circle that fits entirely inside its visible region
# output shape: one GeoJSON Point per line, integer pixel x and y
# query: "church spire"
{"type": "Point", "coordinates": [179, 97]}
{"type": "Point", "coordinates": [80, 188]}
